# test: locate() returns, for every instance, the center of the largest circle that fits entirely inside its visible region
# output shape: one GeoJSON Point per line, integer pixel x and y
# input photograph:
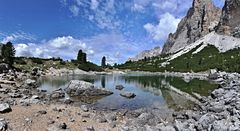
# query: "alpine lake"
{"type": "Point", "coordinates": [151, 90]}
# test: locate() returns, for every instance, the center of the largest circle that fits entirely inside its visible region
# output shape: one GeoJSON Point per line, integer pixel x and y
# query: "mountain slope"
{"type": "Point", "coordinates": [198, 44]}
{"type": "Point", "coordinates": [222, 42]}
{"type": "Point", "coordinates": [207, 58]}
{"type": "Point", "coordinates": [200, 20]}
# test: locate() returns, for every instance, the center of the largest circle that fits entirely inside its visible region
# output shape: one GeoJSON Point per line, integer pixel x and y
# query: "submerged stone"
{"type": "Point", "coordinates": [82, 88]}
{"type": "Point", "coordinates": [127, 94]}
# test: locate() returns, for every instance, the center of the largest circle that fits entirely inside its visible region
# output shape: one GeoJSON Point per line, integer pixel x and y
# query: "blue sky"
{"type": "Point", "coordinates": [118, 29]}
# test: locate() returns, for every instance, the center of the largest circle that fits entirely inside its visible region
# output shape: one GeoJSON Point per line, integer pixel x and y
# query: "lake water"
{"type": "Point", "coordinates": [151, 90]}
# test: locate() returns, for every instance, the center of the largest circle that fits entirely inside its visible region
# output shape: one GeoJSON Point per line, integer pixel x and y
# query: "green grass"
{"type": "Point", "coordinates": [27, 64]}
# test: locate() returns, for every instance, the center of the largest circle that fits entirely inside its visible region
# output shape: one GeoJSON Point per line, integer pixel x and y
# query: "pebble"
{"type": "Point", "coordinates": [84, 108]}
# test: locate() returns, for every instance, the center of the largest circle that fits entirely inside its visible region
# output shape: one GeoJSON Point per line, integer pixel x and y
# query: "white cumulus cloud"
{"type": "Point", "coordinates": [167, 24]}
{"type": "Point", "coordinates": [64, 47]}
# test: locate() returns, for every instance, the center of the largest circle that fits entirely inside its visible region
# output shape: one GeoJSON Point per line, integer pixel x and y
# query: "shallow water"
{"type": "Point", "coordinates": [151, 90]}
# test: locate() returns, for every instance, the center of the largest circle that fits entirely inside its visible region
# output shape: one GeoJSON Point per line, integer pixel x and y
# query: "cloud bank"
{"type": "Point", "coordinates": [167, 24]}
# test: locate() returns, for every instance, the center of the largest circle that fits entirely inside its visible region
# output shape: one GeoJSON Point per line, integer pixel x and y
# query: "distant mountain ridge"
{"type": "Point", "coordinates": [147, 54]}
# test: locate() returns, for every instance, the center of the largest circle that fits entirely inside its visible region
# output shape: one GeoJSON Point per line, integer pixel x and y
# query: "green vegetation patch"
{"type": "Point", "coordinates": [208, 58]}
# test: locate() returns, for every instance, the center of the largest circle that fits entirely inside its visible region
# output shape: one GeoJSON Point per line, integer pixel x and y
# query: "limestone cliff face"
{"type": "Point", "coordinates": [230, 20]}
{"type": "Point", "coordinates": [147, 53]}
{"type": "Point", "coordinates": [201, 19]}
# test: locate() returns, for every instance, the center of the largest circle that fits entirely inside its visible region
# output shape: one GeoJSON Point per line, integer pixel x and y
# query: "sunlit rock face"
{"type": "Point", "coordinates": [147, 54]}
{"type": "Point", "coordinates": [201, 19]}
{"type": "Point", "coordinates": [230, 20]}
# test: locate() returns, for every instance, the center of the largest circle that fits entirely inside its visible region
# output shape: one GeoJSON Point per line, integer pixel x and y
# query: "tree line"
{"type": "Point", "coordinates": [7, 55]}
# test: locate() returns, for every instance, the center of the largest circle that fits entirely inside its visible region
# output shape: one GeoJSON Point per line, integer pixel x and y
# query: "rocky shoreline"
{"type": "Point", "coordinates": [24, 107]}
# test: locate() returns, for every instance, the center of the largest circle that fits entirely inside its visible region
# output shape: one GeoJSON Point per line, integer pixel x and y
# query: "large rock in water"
{"type": "Point", "coordinates": [127, 94]}
{"type": "Point", "coordinates": [201, 19]}
{"type": "Point", "coordinates": [82, 88]}
{"type": "Point", "coordinates": [230, 19]}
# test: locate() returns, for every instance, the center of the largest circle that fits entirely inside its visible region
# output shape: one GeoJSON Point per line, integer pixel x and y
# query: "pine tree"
{"type": "Point", "coordinates": [84, 58]}
{"type": "Point", "coordinates": [80, 56]}
{"type": "Point", "coordinates": [8, 53]}
{"type": "Point", "coordinates": [103, 61]}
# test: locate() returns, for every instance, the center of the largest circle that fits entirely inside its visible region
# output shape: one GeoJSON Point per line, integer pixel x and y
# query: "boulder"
{"type": "Point", "coordinates": [82, 88]}
{"type": "Point", "coordinates": [62, 126]}
{"type": "Point", "coordinates": [68, 101]}
{"type": "Point", "coordinates": [36, 71]}
{"type": "Point", "coordinates": [100, 119]}
{"type": "Point", "coordinates": [143, 119]}
{"type": "Point", "coordinates": [30, 82]}
{"type": "Point", "coordinates": [127, 94]}
{"type": "Point", "coordinates": [166, 128]}
{"type": "Point", "coordinates": [42, 112]}
{"type": "Point", "coordinates": [185, 126]}
{"type": "Point", "coordinates": [217, 107]}
{"type": "Point", "coordinates": [15, 95]}
{"type": "Point", "coordinates": [205, 121]}
{"type": "Point", "coordinates": [221, 125]}
{"type": "Point", "coordinates": [57, 94]}
{"type": "Point", "coordinates": [5, 108]}
{"type": "Point", "coordinates": [111, 117]}
{"type": "Point", "coordinates": [27, 101]}
{"type": "Point", "coordinates": [3, 125]}
{"type": "Point", "coordinates": [4, 68]}
{"type": "Point", "coordinates": [213, 74]}
{"type": "Point", "coordinates": [217, 93]}
{"type": "Point", "coordinates": [84, 108]}
{"type": "Point", "coordinates": [90, 128]}
{"type": "Point", "coordinates": [119, 87]}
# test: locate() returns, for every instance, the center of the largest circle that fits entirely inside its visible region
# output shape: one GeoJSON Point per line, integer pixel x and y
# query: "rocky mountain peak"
{"type": "Point", "coordinates": [230, 20]}
{"type": "Point", "coordinates": [201, 19]}
{"type": "Point", "coordinates": [147, 54]}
